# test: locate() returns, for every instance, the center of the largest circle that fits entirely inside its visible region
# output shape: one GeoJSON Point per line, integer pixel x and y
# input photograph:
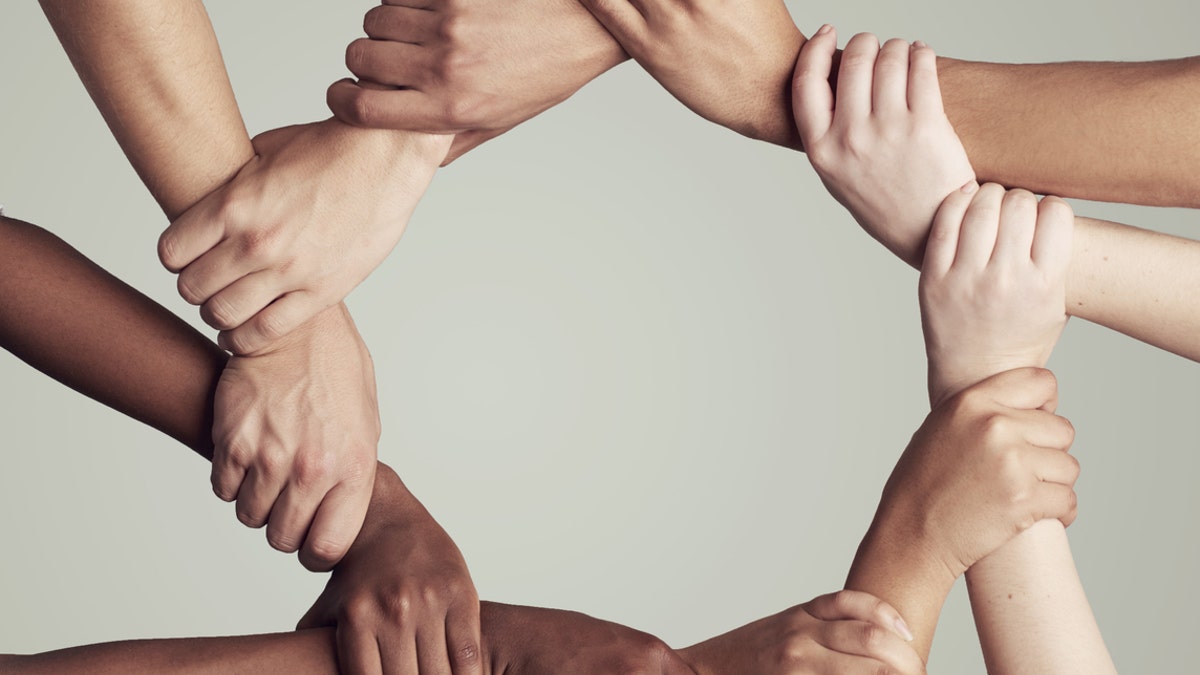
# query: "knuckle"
{"type": "Point", "coordinates": [168, 251]}
{"type": "Point", "coordinates": [251, 520]}
{"type": "Point", "coordinates": [314, 468]}
{"type": "Point", "coordinates": [871, 636]}
{"type": "Point", "coordinates": [399, 606]}
{"type": "Point", "coordinates": [187, 285]}
{"type": "Point", "coordinates": [375, 21]}
{"type": "Point", "coordinates": [797, 648]}
{"type": "Point", "coordinates": [260, 243]}
{"type": "Point", "coordinates": [358, 54]}
{"type": "Point", "coordinates": [1056, 207]}
{"type": "Point", "coordinates": [996, 428]}
{"type": "Point", "coordinates": [1019, 197]}
{"type": "Point", "coordinates": [325, 551]}
{"type": "Point", "coordinates": [359, 610]}
{"type": "Point", "coordinates": [286, 542]}
{"type": "Point", "coordinates": [239, 342]}
{"type": "Point", "coordinates": [272, 326]}
{"type": "Point", "coordinates": [219, 313]}
{"type": "Point", "coordinates": [465, 656]}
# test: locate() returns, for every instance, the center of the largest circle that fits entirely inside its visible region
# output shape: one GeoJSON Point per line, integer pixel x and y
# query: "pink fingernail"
{"type": "Point", "coordinates": [904, 631]}
{"type": "Point", "coordinates": [919, 44]}
{"type": "Point", "coordinates": [824, 29]}
{"type": "Point", "coordinates": [970, 187]}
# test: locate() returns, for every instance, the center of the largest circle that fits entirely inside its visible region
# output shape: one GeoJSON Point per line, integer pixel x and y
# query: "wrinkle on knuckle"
{"type": "Point", "coordinates": [325, 550]}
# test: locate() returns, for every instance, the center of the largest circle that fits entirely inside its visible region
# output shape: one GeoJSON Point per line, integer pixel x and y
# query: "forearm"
{"type": "Point", "coordinates": [64, 315]}
{"type": "Point", "coordinates": [1118, 132]}
{"type": "Point", "coordinates": [1138, 282]}
{"type": "Point", "coordinates": [1031, 611]}
{"type": "Point", "coordinates": [301, 652]}
{"type": "Point", "coordinates": [155, 71]}
{"type": "Point", "coordinates": [899, 571]}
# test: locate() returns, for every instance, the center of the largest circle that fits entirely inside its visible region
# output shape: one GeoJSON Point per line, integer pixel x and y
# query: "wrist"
{"type": "Point", "coordinates": [388, 147]}
{"type": "Point", "coordinates": [900, 540]}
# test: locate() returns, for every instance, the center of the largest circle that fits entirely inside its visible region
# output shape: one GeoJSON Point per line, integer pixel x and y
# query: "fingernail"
{"type": "Point", "coordinates": [824, 29]}
{"type": "Point", "coordinates": [970, 187]}
{"type": "Point", "coordinates": [919, 44]}
{"type": "Point", "coordinates": [903, 629]}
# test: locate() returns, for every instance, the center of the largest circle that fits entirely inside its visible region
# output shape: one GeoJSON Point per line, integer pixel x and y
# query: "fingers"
{"type": "Point", "coordinates": [1018, 219]}
{"type": "Point", "coordinates": [400, 24]}
{"type": "Point", "coordinates": [432, 655]}
{"type": "Point", "coordinates": [463, 638]}
{"type": "Point", "coordinates": [228, 470]}
{"type": "Point", "coordinates": [396, 64]}
{"type": "Point", "coordinates": [942, 245]}
{"type": "Point", "coordinates": [272, 323]}
{"type": "Point", "coordinates": [398, 653]}
{"type": "Point", "coordinates": [1023, 389]}
{"type": "Point", "coordinates": [335, 524]}
{"type": "Point", "coordinates": [924, 91]}
{"type": "Point", "coordinates": [854, 85]}
{"type": "Point", "coordinates": [812, 97]}
{"type": "Point", "coordinates": [1047, 430]}
{"type": "Point", "coordinates": [1053, 237]}
{"type": "Point", "coordinates": [867, 640]}
{"type": "Point", "coordinates": [859, 606]}
{"type": "Point", "coordinates": [257, 495]}
{"type": "Point", "coordinates": [1052, 465]}
{"type": "Point", "coordinates": [194, 233]}
{"type": "Point", "coordinates": [291, 517]}
{"type": "Point", "coordinates": [977, 238]}
{"type": "Point", "coordinates": [358, 651]}
{"type": "Point", "coordinates": [409, 109]}
{"type": "Point", "coordinates": [890, 87]}
{"type": "Point", "coordinates": [1055, 501]}
{"type": "Point", "coordinates": [235, 304]}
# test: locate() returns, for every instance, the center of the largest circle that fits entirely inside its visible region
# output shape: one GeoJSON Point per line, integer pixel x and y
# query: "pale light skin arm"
{"type": "Point", "coordinates": [1138, 282]}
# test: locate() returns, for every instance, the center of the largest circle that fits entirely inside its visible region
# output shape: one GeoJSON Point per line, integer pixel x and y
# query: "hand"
{"type": "Point", "coordinates": [294, 438]}
{"type": "Point", "coordinates": [536, 641]}
{"type": "Point", "coordinates": [993, 284]}
{"type": "Point", "coordinates": [985, 466]}
{"type": "Point", "coordinates": [840, 633]}
{"type": "Point", "coordinates": [402, 598]}
{"type": "Point", "coordinates": [472, 68]}
{"type": "Point", "coordinates": [306, 220]}
{"type": "Point", "coordinates": [730, 63]}
{"type": "Point", "coordinates": [886, 151]}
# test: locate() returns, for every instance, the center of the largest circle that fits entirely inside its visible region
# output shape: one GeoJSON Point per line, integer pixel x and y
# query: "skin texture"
{"type": "Point", "coordinates": [985, 466]}
{"type": "Point", "coordinates": [432, 62]}
{"type": "Point", "coordinates": [1079, 129]}
{"type": "Point", "coordinates": [993, 291]}
{"type": "Point", "coordinates": [888, 101]}
{"type": "Point", "coordinates": [840, 633]}
{"type": "Point", "coordinates": [859, 159]}
{"type": "Point", "coordinates": [255, 253]}
{"type": "Point", "coordinates": [56, 308]}
{"type": "Point", "coordinates": [132, 56]}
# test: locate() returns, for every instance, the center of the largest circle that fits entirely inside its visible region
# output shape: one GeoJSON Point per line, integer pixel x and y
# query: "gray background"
{"type": "Point", "coordinates": [636, 364]}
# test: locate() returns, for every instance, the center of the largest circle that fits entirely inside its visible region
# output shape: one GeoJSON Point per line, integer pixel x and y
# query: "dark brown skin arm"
{"type": "Point", "coordinates": [1115, 132]}
{"type": "Point", "coordinates": [64, 315]}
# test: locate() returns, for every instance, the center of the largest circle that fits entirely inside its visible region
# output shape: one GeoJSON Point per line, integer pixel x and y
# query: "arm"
{"type": "Point", "coordinates": [907, 162]}
{"type": "Point", "coordinates": [266, 236]}
{"type": "Point", "coordinates": [848, 633]}
{"type": "Point", "coordinates": [269, 450]}
{"type": "Point", "coordinates": [1073, 129]}
{"type": "Point", "coordinates": [993, 292]}
{"type": "Point", "coordinates": [984, 466]}
{"type": "Point", "coordinates": [992, 288]}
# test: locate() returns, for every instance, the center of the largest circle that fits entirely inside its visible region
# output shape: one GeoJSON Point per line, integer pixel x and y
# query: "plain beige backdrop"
{"type": "Point", "coordinates": [637, 365]}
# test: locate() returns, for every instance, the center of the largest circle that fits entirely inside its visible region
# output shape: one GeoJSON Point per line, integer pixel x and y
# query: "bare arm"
{"type": "Point", "coordinates": [1138, 282]}
{"type": "Point", "coordinates": [130, 55]}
